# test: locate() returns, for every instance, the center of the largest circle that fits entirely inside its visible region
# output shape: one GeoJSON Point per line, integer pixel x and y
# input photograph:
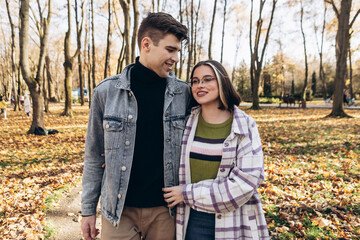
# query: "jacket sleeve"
{"type": "Point", "coordinates": [94, 147]}
{"type": "Point", "coordinates": [225, 194]}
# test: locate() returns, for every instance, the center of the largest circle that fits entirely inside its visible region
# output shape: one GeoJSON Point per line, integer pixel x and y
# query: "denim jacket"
{"type": "Point", "coordinates": [111, 136]}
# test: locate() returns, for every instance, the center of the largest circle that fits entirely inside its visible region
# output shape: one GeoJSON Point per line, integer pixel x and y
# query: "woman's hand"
{"type": "Point", "coordinates": [173, 195]}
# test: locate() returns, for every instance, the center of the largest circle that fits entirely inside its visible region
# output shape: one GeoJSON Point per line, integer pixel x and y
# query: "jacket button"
{"type": "Point", "coordinates": [130, 117]}
{"type": "Point", "coordinates": [219, 216]}
{"type": "Point", "coordinates": [130, 94]}
{"type": "Point", "coordinates": [168, 139]}
{"type": "Point", "coordinates": [123, 168]}
{"type": "Point", "coordinates": [107, 126]}
{"type": "Point", "coordinates": [127, 143]}
{"type": "Point", "coordinates": [226, 144]}
{"type": "Point", "coordinates": [119, 195]}
{"type": "Point", "coordinates": [222, 169]}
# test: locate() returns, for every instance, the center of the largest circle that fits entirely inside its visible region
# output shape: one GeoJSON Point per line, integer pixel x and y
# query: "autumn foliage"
{"type": "Point", "coordinates": [312, 164]}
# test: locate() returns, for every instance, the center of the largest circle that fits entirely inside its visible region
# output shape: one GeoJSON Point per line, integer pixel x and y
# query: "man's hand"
{"type": "Point", "coordinates": [173, 195]}
{"type": "Point", "coordinates": [88, 227]}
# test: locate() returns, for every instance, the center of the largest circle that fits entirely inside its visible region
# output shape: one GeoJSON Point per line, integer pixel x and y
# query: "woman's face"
{"type": "Point", "coordinates": [205, 88]}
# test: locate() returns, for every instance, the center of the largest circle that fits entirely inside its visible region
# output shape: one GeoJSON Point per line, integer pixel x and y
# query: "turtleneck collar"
{"type": "Point", "coordinates": [145, 76]}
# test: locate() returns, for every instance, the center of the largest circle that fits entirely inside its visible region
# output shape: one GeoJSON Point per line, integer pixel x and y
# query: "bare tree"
{"type": "Point", "coordinates": [191, 45]}
{"type": "Point", "coordinates": [320, 51]}
{"type": "Point", "coordinates": [350, 69]}
{"type": "Point", "coordinates": [196, 30]}
{"type": "Point", "coordinates": [13, 59]}
{"type": "Point", "coordinates": [181, 51]}
{"type": "Point", "coordinates": [108, 43]}
{"type": "Point", "coordinates": [223, 32]}
{"type": "Point", "coordinates": [125, 5]}
{"type": "Point", "coordinates": [256, 60]}
{"type": "Point", "coordinates": [135, 30]}
{"type": "Point", "coordinates": [69, 60]}
{"type": "Point", "coordinates": [342, 47]}
{"type": "Point", "coordinates": [211, 29]}
{"type": "Point", "coordinates": [93, 58]}
{"type": "Point", "coordinates": [34, 84]}
{"type": "Point", "coordinates": [79, 29]}
{"type": "Point", "coordinates": [121, 57]}
{"type": "Point", "coordinates": [304, 89]}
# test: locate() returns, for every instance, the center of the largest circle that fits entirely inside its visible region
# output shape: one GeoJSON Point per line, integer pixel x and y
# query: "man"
{"type": "Point", "coordinates": [135, 129]}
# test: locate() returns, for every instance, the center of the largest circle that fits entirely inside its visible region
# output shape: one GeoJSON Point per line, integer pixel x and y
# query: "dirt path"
{"type": "Point", "coordinates": [65, 219]}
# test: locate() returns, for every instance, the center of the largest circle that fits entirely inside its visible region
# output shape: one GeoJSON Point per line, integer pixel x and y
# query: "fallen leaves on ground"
{"type": "Point", "coordinates": [312, 164]}
{"type": "Point", "coordinates": [35, 167]}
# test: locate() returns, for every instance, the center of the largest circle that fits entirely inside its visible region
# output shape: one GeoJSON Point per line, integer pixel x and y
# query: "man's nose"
{"type": "Point", "coordinates": [175, 57]}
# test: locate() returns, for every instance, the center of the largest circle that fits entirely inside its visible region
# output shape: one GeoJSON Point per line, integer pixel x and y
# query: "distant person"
{"type": "Point", "coordinates": [2, 107]}
{"type": "Point", "coordinates": [22, 100]}
{"type": "Point", "coordinates": [27, 106]}
{"type": "Point", "coordinates": [221, 166]}
{"type": "Point", "coordinates": [135, 128]}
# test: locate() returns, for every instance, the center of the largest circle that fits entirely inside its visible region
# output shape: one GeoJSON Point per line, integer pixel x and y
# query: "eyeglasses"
{"type": "Point", "coordinates": [204, 80]}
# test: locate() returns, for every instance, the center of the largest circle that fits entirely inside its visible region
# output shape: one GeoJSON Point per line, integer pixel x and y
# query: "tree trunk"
{"type": "Point", "coordinates": [45, 92]}
{"type": "Point", "coordinates": [80, 68]}
{"type": "Point", "coordinates": [196, 32]}
{"type": "Point", "coordinates": [350, 73]}
{"type": "Point", "coordinates": [108, 43]}
{"type": "Point", "coordinates": [304, 89]}
{"type": "Point", "coordinates": [342, 46]}
{"type": "Point", "coordinates": [191, 44]}
{"type": "Point", "coordinates": [256, 60]}
{"type": "Point", "coordinates": [69, 60]}
{"type": "Point", "coordinates": [223, 32]}
{"type": "Point", "coordinates": [125, 5]}
{"type": "Point", "coordinates": [321, 70]}
{"type": "Point", "coordinates": [135, 30]}
{"type": "Point", "coordinates": [51, 94]}
{"type": "Point", "coordinates": [211, 30]}
{"type": "Point", "coordinates": [93, 68]}
{"type": "Point", "coordinates": [34, 85]}
{"type": "Point", "coordinates": [13, 59]}
{"type": "Point", "coordinates": [181, 51]}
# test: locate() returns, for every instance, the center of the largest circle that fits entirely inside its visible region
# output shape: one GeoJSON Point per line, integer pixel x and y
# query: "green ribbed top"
{"type": "Point", "coordinates": [206, 150]}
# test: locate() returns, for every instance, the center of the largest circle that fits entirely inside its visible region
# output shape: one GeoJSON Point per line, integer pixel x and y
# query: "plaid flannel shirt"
{"type": "Point", "coordinates": [232, 195]}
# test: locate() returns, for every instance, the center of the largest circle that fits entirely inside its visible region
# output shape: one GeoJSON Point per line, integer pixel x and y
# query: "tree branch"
{"type": "Point", "coordinates": [354, 18]}
{"type": "Point", "coordinates": [331, 2]}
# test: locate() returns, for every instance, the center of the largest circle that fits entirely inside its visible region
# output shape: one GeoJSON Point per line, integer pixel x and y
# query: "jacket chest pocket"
{"type": "Point", "coordinates": [112, 133]}
{"type": "Point", "coordinates": [178, 127]}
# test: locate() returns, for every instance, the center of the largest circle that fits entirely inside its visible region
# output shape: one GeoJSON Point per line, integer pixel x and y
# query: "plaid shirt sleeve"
{"type": "Point", "coordinates": [232, 190]}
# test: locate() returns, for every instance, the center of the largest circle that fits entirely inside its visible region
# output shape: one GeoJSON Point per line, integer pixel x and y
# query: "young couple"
{"type": "Point", "coordinates": [162, 163]}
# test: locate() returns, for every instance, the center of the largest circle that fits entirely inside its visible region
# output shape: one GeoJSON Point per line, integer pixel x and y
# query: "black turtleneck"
{"type": "Point", "coordinates": [147, 173]}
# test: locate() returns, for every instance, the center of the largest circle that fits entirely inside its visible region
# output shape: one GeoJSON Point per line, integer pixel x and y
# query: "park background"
{"type": "Point", "coordinates": [302, 48]}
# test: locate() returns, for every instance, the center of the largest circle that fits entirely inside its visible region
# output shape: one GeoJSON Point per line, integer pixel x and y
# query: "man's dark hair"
{"type": "Point", "coordinates": [157, 25]}
{"type": "Point", "coordinates": [228, 95]}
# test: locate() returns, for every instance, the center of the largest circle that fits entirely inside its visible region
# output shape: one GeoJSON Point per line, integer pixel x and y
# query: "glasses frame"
{"type": "Point", "coordinates": [202, 80]}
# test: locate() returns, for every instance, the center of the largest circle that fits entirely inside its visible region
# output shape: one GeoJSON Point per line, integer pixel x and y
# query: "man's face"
{"type": "Point", "coordinates": [161, 57]}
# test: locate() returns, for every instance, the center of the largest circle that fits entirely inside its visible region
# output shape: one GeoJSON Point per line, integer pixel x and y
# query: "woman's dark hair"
{"type": "Point", "coordinates": [157, 25]}
{"type": "Point", "coordinates": [228, 95]}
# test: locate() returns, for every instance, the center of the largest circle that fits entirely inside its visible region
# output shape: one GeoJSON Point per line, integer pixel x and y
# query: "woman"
{"type": "Point", "coordinates": [27, 106]}
{"type": "Point", "coordinates": [221, 164]}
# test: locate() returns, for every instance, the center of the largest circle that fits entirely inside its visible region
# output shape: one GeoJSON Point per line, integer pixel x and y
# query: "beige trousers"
{"type": "Point", "coordinates": [141, 224]}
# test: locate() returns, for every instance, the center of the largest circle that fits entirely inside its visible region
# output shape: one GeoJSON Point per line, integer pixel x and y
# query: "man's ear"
{"type": "Point", "coordinates": [146, 44]}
